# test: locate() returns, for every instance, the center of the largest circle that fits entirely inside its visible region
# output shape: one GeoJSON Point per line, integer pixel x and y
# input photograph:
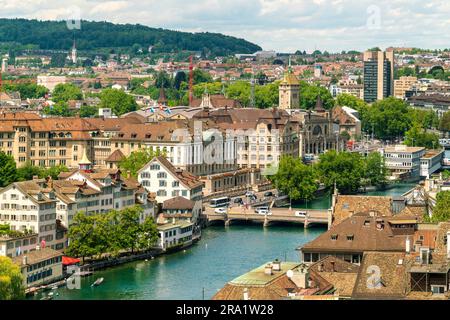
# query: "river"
{"type": "Point", "coordinates": [199, 272]}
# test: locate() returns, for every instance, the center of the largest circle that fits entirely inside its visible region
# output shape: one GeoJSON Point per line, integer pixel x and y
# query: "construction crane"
{"type": "Point", "coordinates": [191, 81]}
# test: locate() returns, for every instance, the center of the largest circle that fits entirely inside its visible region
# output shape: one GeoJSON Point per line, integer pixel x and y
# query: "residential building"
{"type": "Point", "coordinates": [165, 181]}
{"type": "Point", "coordinates": [25, 207]}
{"type": "Point", "coordinates": [402, 85]}
{"type": "Point", "coordinates": [41, 266]}
{"type": "Point", "coordinates": [348, 120]}
{"type": "Point", "coordinates": [50, 82]}
{"type": "Point", "coordinates": [403, 162]}
{"type": "Point", "coordinates": [378, 75]}
{"type": "Point", "coordinates": [17, 244]}
{"type": "Point", "coordinates": [175, 234]}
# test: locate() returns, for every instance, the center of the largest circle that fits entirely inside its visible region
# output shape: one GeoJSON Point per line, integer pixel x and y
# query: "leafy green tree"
{"type": "Point", "coordinates": [389, 118]}
{"type": "Point", "coordinates": [130, 228]}
{"type": "Point", "coordinates": [441, 211]}
{"type": "Point", "coordinates": [88, 111]}
{"type": "Point", "coordinates": [163, 80]}
{"type": "Point", "coordinates": [118, 101]}
{"type": "Point", "coordinates": [149, 234]}
{"type": "Point", "coordinates": [28, 90]}
{"type": "Point", "coordinates": [11, 280]}
{"type": "Point", "coordinates": [60, 109]}
{"type": "Point", "coordinates": [239, 90]}
{"type": "Point", "coordinates": [137, 159]}
{"type": "Point", "coordinates": [28, 171]}
{"type": "Point", "coordinates": [201, 76]}
{"type": "Point", "coordinates": [295, 179]}
{"type": "Point", "coordinates": [375, 171]}
{"type": "Point", "coordinates": [82, 239]}
{"type": "Point", "coordinates": [344, 168]}
{"type": "Point", "coordinates": [427, 119]}
{"type": "Point", "coordinates": [309, 94]}
{"type": "Point", "coordinates": [53, 171]}
{"type": "Point", "coordinates": [418, 137]}
{"type": "Point", "coordinates": [444, 124]}
{"type": "Point", "coordinates": [64, 92]}
{"type": "Point", "coordinates": [8, 171]}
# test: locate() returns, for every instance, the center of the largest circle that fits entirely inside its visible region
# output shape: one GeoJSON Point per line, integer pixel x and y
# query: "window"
{"type": "Point", "coordinates": [334, 236]}
{"type": "Point", "coordinates": [350, 237]}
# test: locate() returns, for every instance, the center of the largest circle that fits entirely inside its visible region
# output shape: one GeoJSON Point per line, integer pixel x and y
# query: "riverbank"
{"type": "Point", "coordinates": [221, 255]}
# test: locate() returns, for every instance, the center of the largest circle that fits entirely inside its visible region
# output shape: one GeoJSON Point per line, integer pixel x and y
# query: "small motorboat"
{"type": "Point", "coordinates": [97, 282]}
{"type": "Point", "coordinates": [47, 298]}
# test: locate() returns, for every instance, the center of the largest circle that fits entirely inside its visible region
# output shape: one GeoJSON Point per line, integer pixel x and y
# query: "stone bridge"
{"type": "Point", "coordinates": [313, 217]}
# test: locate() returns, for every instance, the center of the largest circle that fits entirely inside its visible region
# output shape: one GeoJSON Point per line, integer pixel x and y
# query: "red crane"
{"type": "Point", "coordinates": [191, 81]}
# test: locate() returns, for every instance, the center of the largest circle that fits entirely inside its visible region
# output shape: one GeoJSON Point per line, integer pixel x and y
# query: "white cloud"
{"type": "Point", "coordinates": [283, 25]}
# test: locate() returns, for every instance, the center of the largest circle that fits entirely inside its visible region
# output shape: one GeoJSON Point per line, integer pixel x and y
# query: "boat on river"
{"type": "Point", "coordinates": [97, 282]}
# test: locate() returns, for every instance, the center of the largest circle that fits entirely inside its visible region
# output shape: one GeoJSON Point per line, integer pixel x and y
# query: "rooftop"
{"type": "Point", "coordinates": [257, 277]}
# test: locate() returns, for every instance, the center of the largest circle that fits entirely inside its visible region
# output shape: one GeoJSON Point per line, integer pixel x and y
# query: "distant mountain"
{"type": "Point", "coordinates": [54, 35]}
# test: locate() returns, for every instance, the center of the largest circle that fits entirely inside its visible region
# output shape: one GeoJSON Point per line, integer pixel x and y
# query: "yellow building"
{"type": "Point", "coordinates": [289, 91]}
{"type": "Point", "coordinates": [402, 85]}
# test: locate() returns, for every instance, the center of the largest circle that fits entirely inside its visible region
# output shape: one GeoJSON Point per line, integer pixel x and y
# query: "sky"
{"type": "Point", "coordinates": [280, 25]}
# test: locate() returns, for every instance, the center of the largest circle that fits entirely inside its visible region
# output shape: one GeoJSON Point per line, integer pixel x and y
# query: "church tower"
{"type": "Point", "coordinates": [289, 90]}
{"type": "Point", "coordinates": [73, 56]}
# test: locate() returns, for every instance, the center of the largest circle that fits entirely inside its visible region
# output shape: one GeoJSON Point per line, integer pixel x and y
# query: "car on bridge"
{"type": "Point", "coordinates": [261, 208]}
{"type": "Point", "coordinates": [268, 194]}
{"type": "Point", "coordinates": [264, 212]}
{"type": "Point", "coordinates": [238, 201]}
{"type": "Point", "coordinates": [220, 210]}
{"type": "Point", "coordinates": [302, 214]}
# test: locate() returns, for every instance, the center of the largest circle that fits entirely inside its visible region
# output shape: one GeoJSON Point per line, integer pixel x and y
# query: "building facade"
{"type": "Point", "coordinates": [378, 75]}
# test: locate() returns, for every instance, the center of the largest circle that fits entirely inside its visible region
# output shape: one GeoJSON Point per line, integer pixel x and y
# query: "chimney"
{"type": "Point", "coordinates": [300, 277]}
{"type": "Point", "coordinates": [246, 294]}
{"type": "Point", "coordinates": [24, 260]}
{"type": "Point", "coordinates": [268, 269]}
{"type": "Point", "coordinates": [276, 265]}
{"type": "Point", "coordinates": [408, 245]}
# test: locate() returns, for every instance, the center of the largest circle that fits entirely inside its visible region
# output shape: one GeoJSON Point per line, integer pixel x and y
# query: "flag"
{"type": "Point", "coordinates": [152, 110]}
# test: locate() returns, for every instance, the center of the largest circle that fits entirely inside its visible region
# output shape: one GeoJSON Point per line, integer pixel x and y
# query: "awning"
{"type": "Point", "coordinates": [67, 261]}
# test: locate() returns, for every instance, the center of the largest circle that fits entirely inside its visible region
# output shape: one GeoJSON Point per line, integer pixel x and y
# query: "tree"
{"type": "Point", "coordinates": [416, 136]}
{"type": "Point", "coordinates": [444, 124]}
{"type": "Point", "coordinates": [163, 80]}
{"type": "Point", "coordinates": [11, 280]}
{"type": "Point", "coordinates": [82, 242]}
{"type": "Point", "coordinates": [60, 109]}
{"type": "Point", "coordinates": [149, 234]}
{"type": "Point", "coordinates": [344, 168]}
{"type": "Point", "coordinates": [389, 118]}
{"type": "Point", "coordinates": [309, 94]}
{"type": "Point", "coordinates": [375, 171]}
{"type": "Point", "coordinates": [441, 211]}
{"type": "Point", "coordinates": [295, 179]}
{"type": "Point", "coordinates": [8, 171]}
{"type": "Point", "coordinates": [64, 92]}
{"type": "Point", "coordinates": [28, 171]}
{"type": "Point", "coordinates": [201, 76]}
{"type": "Point", "coordinates": [130, 228]}
{"type": "Point", "coordinates": [118, 101]}
{"type": "Point", "coordinates": [54, 171]}
{"type": "Point", "coordinates": [137, 159]}
{"type": "Point", "coordinates": [88, 111]}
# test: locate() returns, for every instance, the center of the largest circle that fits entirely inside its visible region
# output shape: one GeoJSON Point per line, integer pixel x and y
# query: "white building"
{"type": "Point", "coordinates": [175, 234]}
{"type": "Point", "coordinates": [162, 178]}
{"type": "Point", "coordinates": [24, 207]}
{"type": "Point", "coordinates": [50, 82]}
{"type": "Point", "coordinates": [431, 162]}
{"type": "Point", "coordinates": [403, 161]}
{"type": "Point", "coordinates": [13, 246]}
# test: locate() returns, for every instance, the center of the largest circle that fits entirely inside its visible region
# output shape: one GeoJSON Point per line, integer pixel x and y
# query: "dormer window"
{"type": "Point", "coordinates": [334, 237]}
{"type": "Point", "coordinates": [366, 223]}
{"type": "Point", "coordinates": [350, 237]}
{"type": "Point", "coordinates": [134, 135]}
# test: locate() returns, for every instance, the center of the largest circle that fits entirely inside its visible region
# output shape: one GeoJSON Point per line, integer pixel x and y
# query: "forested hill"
{"type": "Point", "coordinates": [55, 35]}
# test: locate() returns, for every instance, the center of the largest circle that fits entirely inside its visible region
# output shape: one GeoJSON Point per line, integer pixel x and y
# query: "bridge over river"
{"type": "Point", "coordinates": [241, 213]}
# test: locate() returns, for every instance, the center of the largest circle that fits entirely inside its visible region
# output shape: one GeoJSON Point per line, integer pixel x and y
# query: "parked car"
{"type": "Point", "coordinates": [268, 194]}
{"type": "Point", "coordinates": [220, 210]}
{"type": "Point", "coordinates": [257, 209]}
{"type": "Point", "coordinates": [238, 201]}
{"type": "Point", "coordinates": [302, 214]}
{"type": "Point", "coordinates": [264, 212]}
{"type": "Point", "coordinates": [250, 194]}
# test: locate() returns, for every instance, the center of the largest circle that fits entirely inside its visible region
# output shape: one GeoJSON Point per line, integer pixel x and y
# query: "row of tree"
{"type": "Point", "coordinates": [111, 233]}
{"type": "Point", "coordinates": [347, 171]}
